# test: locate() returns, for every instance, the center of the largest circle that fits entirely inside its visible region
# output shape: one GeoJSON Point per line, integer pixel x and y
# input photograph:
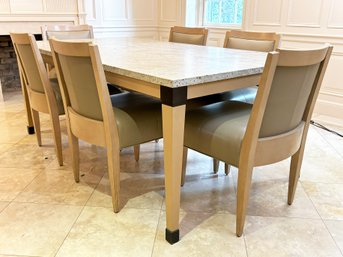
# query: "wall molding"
{"type": "Point", "coordinates": [126, 13]}
{"type": "Point", "coordinates": [289, 23]}
{"type": "Point", "coordinates": [267, 24]}
{"type": "Point", "coordinates": [162, 12]}
{"type": "Point", "coordinates": [261, 23]}
{"type": "Point", "coordinates": [330, 24]}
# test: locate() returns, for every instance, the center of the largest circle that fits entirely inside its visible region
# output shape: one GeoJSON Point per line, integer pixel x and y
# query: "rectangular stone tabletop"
{"type": "Point", "coordinates": [174, 64]}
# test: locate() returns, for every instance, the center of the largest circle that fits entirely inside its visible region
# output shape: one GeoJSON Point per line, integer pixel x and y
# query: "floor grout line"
{"type": "Point", "coordinates": [156, 232]}
{"type": "Point", "coordinates": [318, 131]}
{"type": "Point", "coordinates": [161, 211]}
{"type": "Point", "coordinates": [71, 227]}
{"type": "Point", "coordinates": [323, 221]}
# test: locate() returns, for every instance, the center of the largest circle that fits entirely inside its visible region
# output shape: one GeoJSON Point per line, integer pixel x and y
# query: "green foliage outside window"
{"type": "Point", "coordinates": [223, 11]}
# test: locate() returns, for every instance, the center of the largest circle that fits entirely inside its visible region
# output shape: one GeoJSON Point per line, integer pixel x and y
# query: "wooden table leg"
{"type": "Point", "coordinates": [30, 127]}
{"type": "Point", "coordinates": [173, 132]}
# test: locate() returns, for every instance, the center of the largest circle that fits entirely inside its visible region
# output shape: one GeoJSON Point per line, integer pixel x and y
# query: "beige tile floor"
{"type": "Point", "coordinates": [44, 213]}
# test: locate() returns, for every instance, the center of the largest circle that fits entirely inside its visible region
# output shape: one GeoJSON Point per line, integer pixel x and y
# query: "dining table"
{"type": "Point", "coordinates": [175, 73]}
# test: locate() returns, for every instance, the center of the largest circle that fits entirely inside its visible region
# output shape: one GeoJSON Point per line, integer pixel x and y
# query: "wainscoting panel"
{"type": "Point", "coordinates": [263, 14]}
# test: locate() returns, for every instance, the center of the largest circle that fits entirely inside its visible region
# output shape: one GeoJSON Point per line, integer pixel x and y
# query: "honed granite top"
{"type": "Point", "coordinates": [174, 64]}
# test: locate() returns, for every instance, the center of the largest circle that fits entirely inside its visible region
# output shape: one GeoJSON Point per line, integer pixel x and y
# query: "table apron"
{"type": "Point", "coordinates": [222, 86]}
{"type": "Point", "coordinates": [133, 84]}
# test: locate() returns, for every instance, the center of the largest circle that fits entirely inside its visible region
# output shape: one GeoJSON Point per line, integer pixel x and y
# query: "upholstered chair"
{"type": "Point", "coordinates": [243, 40]}
{"type": "Point", "coordinates": [185, 35]}
{"type": "Point", "coordinates": [272, 129]}
{"type": "Point", "coordinates": [94, 116]}
{"type": "Point", "coordinates": [67, 31]}
{"type": "Point", "coordinates": [44, 94]}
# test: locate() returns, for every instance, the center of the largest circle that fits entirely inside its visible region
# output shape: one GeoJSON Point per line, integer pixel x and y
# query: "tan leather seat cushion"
{"type": "Point", "coordinates": [218, 129]}
{"type": "Point", "coordinates": [138, 117]}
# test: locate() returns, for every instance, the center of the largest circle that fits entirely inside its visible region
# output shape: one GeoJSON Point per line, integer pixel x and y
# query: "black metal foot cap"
{"type": "Point", "coordinates": [172, 237]}
{"type": "Point", "coordinates": [30, 130]}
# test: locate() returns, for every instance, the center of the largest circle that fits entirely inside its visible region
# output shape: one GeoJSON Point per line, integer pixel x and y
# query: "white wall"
{"type": "Point", "coordinates": [28, 16]}
{"type": "Point", "coordinates": [137, 18]}
{"type": "Point", "coordinates": [305, 23]}
{"type": "Point", "coordinates": [123, 18]}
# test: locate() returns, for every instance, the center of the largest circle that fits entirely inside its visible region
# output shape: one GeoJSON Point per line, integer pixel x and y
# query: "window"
{"type": "Point", "coordinates": [214, 13]}
{"type": "Point", "coordinates": [223, 12]}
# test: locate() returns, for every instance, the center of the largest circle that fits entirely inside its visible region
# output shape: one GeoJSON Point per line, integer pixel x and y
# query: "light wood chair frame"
{"type": "Point", "coordinates": [66, 28]}
{"type": "Point", "coordinates": [101, 133]}
{"type": "Point", "coordinates": [189, 31]}
{"type": "Point", "coordinates": [256, 151]}
{"type": "Point", "coordinates": [39, 102]}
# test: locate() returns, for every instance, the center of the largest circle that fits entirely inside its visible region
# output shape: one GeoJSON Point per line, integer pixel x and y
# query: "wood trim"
{"type": "Point", "coordinates": [77, 49]}
{"type": "Point", "coordinates": [303, 57]}
{"type": "Point", "coordinates": [89, 130]}
{"type": "Point", "coordinates": [221, 86]}
{"type": "Point", "coordinates": [277, 148]}
{"type": "Point", "coordinates": [38, 101]}
{"type": "Point", "coordinates": [133, 84]}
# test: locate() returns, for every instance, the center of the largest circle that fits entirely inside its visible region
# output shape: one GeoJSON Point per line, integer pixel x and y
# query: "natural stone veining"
{"type": "Point", "coordinates": [174, 64]}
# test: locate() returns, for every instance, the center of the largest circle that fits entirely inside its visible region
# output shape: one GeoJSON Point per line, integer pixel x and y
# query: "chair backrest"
{"type": "Point", "coordinates": [294, 88]}
{"type": "Point", "coordinates": [81, 78]}
{"type": "Point", "coordinates": [29, 60]}
{"type": "Point", "coordinates": [194, 36]}
{"type": "Point", "coordinates": [67, 32]}
{"type": "Point", "coordinates": [255, 41]}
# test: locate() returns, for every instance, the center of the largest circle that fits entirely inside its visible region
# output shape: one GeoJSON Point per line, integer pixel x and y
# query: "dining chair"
{"type": "Point", "coordinates": [114, 122]}
{"type": "Point", "coordinates": [272, 129]}
{"type": "Point", "coordinates": [186, 35]}
{"type": "Point", "coordinates": [244, 40]}
{"type": "Point", "coordinates": [84, 31]}
{"type": "Point", "coordinates": [43, 93]}
{"type": "Point", "coordinates": [67, 31]}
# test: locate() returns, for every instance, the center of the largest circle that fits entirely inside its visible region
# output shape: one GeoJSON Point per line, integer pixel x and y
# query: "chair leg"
{"type": "Point", "coordinates": [30, 127]}
{"type": "Point", "coordinates": [74, 145]}
{"type": "Point", "coordinates": [184, 165]}
{"type": "Point", "coordinates": [113, 163]}
{"type": "Point", "coordinates": [57, 137]}
{"type": "Point", "coordinates": [36, 123]}
{"type": "Point", "coordinates": [215, 166]}
{"type": "Point", "coordinates": [227, 169]}
{"type": "Point", "coordinates": [136, 150]}
{"type": "Point", "coordinates": [243, 190]}
{"type": "Point", "coordinates": [294, 174]}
